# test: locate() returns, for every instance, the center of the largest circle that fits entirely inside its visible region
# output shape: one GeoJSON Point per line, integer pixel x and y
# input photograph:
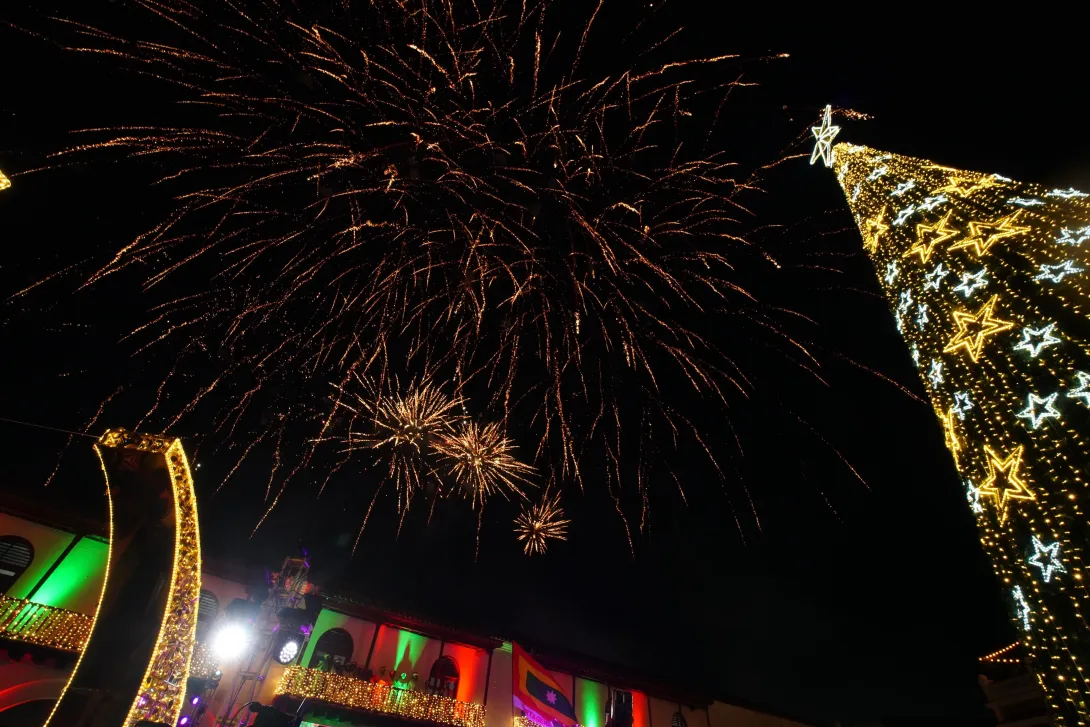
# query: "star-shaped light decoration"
{"type": "Point", "coordinates": [1025, 201]}
{"type": "Point", "coordinates": [903, 215]}
{"type": "Point", "coordinates": [873, 229]}
{"type": "Point", "coordinates": [1073, 237]}
{"type": "Point", "coordinates": [1004, 482]}
{"type": "Point", "coordinates": [974, 329]}
{"type": "Point", "coordinates": [900, 189]}
{"type": "Point", "coordinates": [1056, 272]}
{"type": "Point", "coordinates": [906, 302]}
{"type": "Point", "coordinates": [930, 203]}
{"type": "Point", "coordinates": [1068, 193]}
{"type": "Point", "coordinates": [935, 375]}
{"type": "Point", "coordinates": [892, 271]}
{"type": "Point", "coordinates": [1035, 340]}
{"type": "Point", "coordinates": [4, 182]}
{"type": "Point", "coordinates": [878, 173]}
{"type": "Point", "coordinates": [933, 279]}
{"type": "Point", "coordinates": [823, 136]}
{"type": "Point", "coordinates": [972, 281]}
{"type": "Point", "coordinates": [916, 356]}
{"type": "Point", "coordinates": [1021, 606]}
{"type": "Point", "coordinates": [982, 235]}
{"type": "Point", "coordinates": [950, 435]}
{"type": "Point", "coordinates": [972, 494]}
{"type": "Point", "coordinates": [1082, 391]}
{"type": "Point", "coordinates": [855, 191]}
{"type": "Point", "coordinates": [963, 185]}
{"type": "Point", "coordinates": [1051, 564]}
{"type": "Point", "coordinates": [928, 236]}
{"type": "Point", "coordinates": [1034, 415]}
{"type": "Point", "coordinates": [962, 404]}
{"type": "Point", "coordinates": [922, 315]}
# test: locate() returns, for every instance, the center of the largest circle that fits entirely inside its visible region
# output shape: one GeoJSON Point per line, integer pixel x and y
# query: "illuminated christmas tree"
{"type": "Point", "coordinates": [988, 282]}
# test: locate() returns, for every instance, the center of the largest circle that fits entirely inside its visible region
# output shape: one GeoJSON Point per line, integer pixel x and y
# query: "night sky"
{"type": "Point", "coordinates": [848, 602]}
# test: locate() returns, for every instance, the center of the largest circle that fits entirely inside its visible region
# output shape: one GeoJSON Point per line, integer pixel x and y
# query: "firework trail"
{"type": "Point", "coordinates": [367, 190]}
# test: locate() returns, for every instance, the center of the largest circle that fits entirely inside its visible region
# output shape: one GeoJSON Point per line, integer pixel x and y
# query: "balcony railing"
{"type": "Point", "coordinates": [344, 691]}
{"type": "Point", "coordinates": [36, 623]}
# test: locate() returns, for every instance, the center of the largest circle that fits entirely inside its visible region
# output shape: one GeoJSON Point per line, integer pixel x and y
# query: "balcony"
{"type": "Point", "coordinates": [351, 693]}
{"type": "Point", "coordinates": [36, 623]}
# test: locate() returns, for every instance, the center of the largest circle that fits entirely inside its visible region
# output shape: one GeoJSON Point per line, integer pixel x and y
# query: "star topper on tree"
{"type": "Point", "coordinates": [824, 135]}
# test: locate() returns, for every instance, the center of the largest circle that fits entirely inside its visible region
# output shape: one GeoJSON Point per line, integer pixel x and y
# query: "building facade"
{"type": "Point", "coordinates": [359, 666]}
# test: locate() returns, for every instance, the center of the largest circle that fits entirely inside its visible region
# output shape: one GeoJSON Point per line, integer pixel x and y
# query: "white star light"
{"type": "Point", "coordinates": [962, 404]}
{"type": "Point", "coordinates": [1083, 390]}
{"type": "Point", "coordinates": [1025, 201]}
{"type": "Point", "coordinates": [1001, 178]}
{"type": "Point", "coordinates": [906, 302]}
{"type": "Point", "coordinates": [1042, 336]}
{"type": "Point", "coordinates": [1073, 237]}
{"type": "Point", "coordinates": [1056, 273]}
{"type": "Point", "coordinates": [855, 191]}
{"type": "Point", "coordinates": [892, 271]}
{"type": "Point", "coordinates": [1053, 564]}
{"type": "Point", "coordinates": [903, 215]}
{"type": "Point", "coordinates": [842, 173]}
{"type": "Point", "coordinates": [1036, 416]}
{"type": "Point", "coordinates": [903, 187]}
{"type": "Point", "coordinates": [972, 281]}
{"type": "Point", "coordinates": [1068, 193]}
{"type": "Point", "coordinates": [878, 173]}
{"type": "Point", "coordinates": [934, 278]}
{"type": "Point", "coordinates": [916, 357]}
{"type": "Point", "coordinates": [936, 372]}
{"type": "Point", "coordinates": [972, 494]}
{"type": "Point", "coordinates": [930, 203]}
{"type": "Point", "coordinates": [1023, 607]}
{"type": "Point", "coordinates": [883, 158]}
{"type": "Point", "coordinates": [823, 136]}
{"type": "Point", "coordinates": [921, 315]}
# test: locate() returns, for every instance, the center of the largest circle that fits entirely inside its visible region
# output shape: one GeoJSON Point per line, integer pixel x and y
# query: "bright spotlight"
{"type": "Point", "coordinates": [230, 641]}
{"type": "Point", "coordinates": [288, 651]}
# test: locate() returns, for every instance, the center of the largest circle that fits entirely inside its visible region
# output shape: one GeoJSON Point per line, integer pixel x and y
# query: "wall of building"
{"type": "Point", "coordinates": [729, 715]}
{"type": "Point", "coordinates": [48, 544]}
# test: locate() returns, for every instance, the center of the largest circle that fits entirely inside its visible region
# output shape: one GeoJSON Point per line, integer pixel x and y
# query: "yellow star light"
{"type": "Point", "coordinates": [873, 228]}
{"type": "Point", "coordinates": [982, 235]}
{"type": "Point", "coordinates": [4, 181]}
{"type": "Point", "coordinates": [951, 434]}
{"type": "Point", "coordinates": [1004, 483]}
{"type": "Point", "coordinates": [975, 328]}
{"type": "Point", "coordinates": [823, 136]}
{"type": "Point", "coordinates": [963, 185]}
{"type": "Point", "coordinates": [928, 236]}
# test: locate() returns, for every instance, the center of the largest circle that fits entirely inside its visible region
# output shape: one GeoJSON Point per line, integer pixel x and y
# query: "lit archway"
{"type": "Point", "coordinates": [137, 658]}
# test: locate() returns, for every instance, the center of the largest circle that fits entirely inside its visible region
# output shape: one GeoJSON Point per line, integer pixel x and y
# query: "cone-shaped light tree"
{"type": "Point", "coordinates": [988, 280]}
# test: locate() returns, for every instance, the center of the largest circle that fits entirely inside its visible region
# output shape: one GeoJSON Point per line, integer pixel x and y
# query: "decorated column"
{"type": "Point", "coordinates": [987, 280]}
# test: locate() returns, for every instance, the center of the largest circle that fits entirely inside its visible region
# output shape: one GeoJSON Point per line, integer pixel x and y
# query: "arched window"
{"type": "Point", "coordinates": [15, 555]}
{"type": "Point", "coordinates": [678, 720]}
{"type": "Point", "coordinates": [207, 611]}
{"type": "Point", "coordinates": [443, 679]}
{"type": "Point", "coordinates": [337, 644]}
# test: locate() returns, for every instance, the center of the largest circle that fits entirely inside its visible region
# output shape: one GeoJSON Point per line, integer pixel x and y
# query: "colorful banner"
{"type": "Point", "coordinates": [537, 694]}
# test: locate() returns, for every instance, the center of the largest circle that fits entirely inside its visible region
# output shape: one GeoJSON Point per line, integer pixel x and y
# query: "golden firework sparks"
{"type": "Point", "coordinates": [482, 463]}
{"type": "Point", "coordinates": [539, 523]}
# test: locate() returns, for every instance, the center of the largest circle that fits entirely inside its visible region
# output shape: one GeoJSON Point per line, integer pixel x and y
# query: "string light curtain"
{"type": "Point", "coordinates": [987, 279]}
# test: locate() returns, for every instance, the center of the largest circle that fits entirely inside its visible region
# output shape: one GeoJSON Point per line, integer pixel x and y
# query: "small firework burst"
{"type": "Point", "coordinates": [402, 425]}
{"type": "Point", "coordinates": [482, 463]}
{"type": "Point", "coordinates": [535, 525]}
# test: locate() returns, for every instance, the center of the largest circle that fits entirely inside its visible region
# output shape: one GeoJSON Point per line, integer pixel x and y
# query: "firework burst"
{"type": "Point", "coordinates": [538, 524]}
{"type": "Point", "coordinates": [481, 461]}
{"type": "Point", "coordinates": [374, 188]}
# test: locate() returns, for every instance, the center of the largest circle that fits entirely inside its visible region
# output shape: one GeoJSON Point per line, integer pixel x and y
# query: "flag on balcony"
{"type": "Point", "coordinates": [537, 694]}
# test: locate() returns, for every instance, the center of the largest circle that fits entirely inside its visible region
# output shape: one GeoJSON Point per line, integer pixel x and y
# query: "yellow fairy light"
{"type": "Point", "coordinates": [36, 623]}
{"type": "Point", "coordinates": [988, 279]}
{"type": "Point", "coordinates": [973, 329]}
{"type": "Point", "coordinates": [345, 691]}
